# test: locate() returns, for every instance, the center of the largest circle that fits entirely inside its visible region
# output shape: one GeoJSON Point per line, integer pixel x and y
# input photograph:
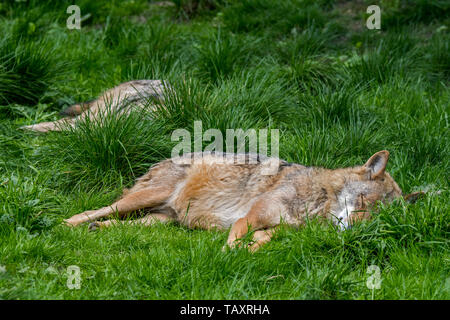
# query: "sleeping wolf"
{"type": "Point", "coordinates": [211, 192]}
{"type": "Point", "coordinates": [121, 99]}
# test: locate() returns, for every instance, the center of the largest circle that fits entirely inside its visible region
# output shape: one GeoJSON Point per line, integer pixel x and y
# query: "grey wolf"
{"type": "Point", "coordinates": [212, 193]}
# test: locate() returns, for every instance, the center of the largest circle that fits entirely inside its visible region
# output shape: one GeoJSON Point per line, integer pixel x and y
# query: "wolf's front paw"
{"type": "Point", "coordinates": [79, 218]}
{"type": "Point", "coordinates": [232, 244]}
{"type": "Point", "coordinates": [227, 247]}
{"type": "Point", "coordinates": [75, 220]}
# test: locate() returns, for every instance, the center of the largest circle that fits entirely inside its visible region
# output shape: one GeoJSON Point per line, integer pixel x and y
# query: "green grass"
{"type": "Point", "coordinates": [337, 92]}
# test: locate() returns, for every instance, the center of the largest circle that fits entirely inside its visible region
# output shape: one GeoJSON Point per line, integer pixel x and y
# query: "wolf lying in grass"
{"type": "Point", "coordinates": [217, 193]}
{"type": "Point", "coordinates": [120, 99]}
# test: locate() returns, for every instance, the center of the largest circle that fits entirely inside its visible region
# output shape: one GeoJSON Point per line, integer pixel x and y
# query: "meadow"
{"type": "Point", "coordinates": [337, 91]}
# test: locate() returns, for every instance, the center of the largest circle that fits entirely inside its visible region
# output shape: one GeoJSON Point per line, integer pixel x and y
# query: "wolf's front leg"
{"type": "Point", "coordinates": [264, 214]}
{"type": "Point", "coordinates": [81, 218]}
{"type": "Point", "coordinates": [261, 237]}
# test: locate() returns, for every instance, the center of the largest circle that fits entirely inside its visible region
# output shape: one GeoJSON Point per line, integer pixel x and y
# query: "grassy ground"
{"type": "Point", "coordinates": [337, 91]}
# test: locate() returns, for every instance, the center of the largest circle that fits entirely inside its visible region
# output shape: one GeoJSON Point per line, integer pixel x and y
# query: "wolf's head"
{"type": "Point", "coordinates": [364, 186]}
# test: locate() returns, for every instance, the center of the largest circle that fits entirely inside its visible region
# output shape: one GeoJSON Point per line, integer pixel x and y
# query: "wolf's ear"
{"type": "Point", "coordinates": [413, 197]}
{"type": "Point", "coordinates": [377, 164]}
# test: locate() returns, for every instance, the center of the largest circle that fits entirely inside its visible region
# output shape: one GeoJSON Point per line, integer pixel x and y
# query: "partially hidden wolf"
{"type": "Point", "coordinates": [217, 193]}
{"type": "Point", "coordinates": [121, 99]}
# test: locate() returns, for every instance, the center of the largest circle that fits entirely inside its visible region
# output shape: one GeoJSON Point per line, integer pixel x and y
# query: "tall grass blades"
{"type": "Point", "coordinates": [27, 71]}
{"type": "Point", "coordinates": [110, 146]}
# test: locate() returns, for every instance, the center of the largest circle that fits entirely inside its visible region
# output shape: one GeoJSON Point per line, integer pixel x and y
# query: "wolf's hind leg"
{"type": "Point", "coordinates": [146, 198]}
{"type": "Point", "coordinates": [148, 220]}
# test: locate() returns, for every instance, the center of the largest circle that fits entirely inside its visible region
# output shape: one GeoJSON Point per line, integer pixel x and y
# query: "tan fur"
{"type": "Point", "coordinates": [208, 193]}
{"type": "Point", "coordinates": [120, 99]}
